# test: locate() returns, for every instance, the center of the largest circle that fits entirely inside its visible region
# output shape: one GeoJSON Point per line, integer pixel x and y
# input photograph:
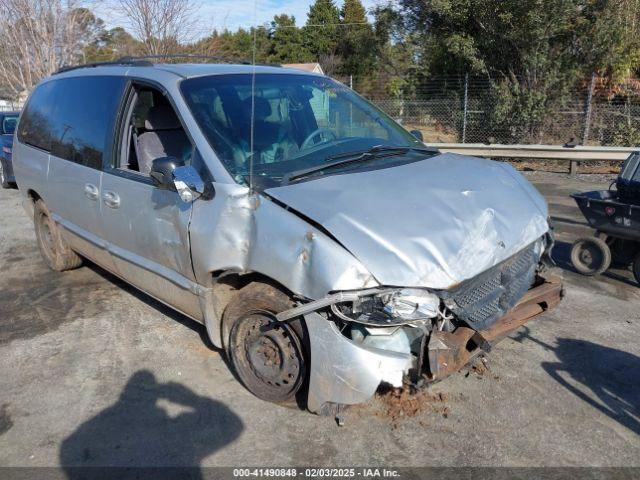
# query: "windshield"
{"type": "Point", "coordinates": [300, 122]}
{"type": "Point", "coordinates": [9, 125]}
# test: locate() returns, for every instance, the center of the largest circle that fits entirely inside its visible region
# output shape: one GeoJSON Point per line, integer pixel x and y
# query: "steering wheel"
{"type": "Point", "coordinates": [321, 133]}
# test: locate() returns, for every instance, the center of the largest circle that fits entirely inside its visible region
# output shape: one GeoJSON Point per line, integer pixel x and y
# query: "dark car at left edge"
{"type": "Point", "coordinates": [8, 122]}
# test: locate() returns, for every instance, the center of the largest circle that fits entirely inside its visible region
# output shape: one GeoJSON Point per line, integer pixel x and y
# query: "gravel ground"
{"type": "Point", "coordinates": [93, 372]}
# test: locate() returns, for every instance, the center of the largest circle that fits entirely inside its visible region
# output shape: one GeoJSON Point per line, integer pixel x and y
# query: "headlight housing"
{"type": "Point", "coordinates": [391, 307]}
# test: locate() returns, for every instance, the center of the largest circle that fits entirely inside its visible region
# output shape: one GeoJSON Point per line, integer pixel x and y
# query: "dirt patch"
{"type": "Point", "coordinates": [42, 300]}
{"type": "Point", "coordinates": [556, 166]}
{"type": "Point", "coordinates": [398, 404]}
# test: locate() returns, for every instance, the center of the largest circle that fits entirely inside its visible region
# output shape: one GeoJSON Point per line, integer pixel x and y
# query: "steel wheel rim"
{"type": "Point", "coordinates": [268, 356]}
{"type": "Point", "coordinates": [272, 351]}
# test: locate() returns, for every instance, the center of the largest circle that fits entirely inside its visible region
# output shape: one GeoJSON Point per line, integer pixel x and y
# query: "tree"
{"type": "Point", "coordinates": [160, 24]}
{"type": "Point", "coordinates": [37, 37]}
{"type": "Point", "coordinates": [534, 52]}
{"type": "Point", "coordinates": [287, 44]}
{"type": "Point", "coordinates": [356, 39]}
{"type": "Point", "coordinates": [236, 46]}
{"type": "Point", "coordinates": [321, 32]}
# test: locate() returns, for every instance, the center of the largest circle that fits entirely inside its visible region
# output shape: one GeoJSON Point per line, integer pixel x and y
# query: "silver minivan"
{"type": "Point", "coordinates": [326, 249]}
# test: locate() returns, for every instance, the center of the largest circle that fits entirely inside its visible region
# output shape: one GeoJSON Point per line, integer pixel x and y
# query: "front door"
{"type": "Point", "coordinates": [147, 228]}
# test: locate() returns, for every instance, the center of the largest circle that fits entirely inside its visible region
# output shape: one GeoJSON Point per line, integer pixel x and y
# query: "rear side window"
{"type": "Point", "coordinates": [36, 124]}
{"type": "Point", "coordinates": [80, 120]}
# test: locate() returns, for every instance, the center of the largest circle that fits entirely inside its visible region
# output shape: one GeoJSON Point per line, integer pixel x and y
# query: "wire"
{"type": "Point", "coordinates": [253, 95]}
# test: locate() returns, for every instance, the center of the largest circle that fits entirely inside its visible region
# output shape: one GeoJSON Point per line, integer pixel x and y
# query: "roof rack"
{"type": "Point", "coordinates": [242, 61]}
{"type": "Point", "coordinates": [122, 61]}
{"type": "Point", "coordinates": [144, 61]}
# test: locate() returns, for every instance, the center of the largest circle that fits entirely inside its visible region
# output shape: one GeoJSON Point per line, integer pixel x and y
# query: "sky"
{"type": "Point", "coordinates": [233, 14]}
{"type": "Point", "coordinates": [240, 13]}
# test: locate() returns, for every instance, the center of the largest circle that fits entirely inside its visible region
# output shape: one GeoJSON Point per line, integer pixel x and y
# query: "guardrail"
{"type": "Point", "coordinates": [579, 153]}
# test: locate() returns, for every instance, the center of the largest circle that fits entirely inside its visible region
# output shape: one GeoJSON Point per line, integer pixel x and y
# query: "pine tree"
{"type": "Point", "coordinates": [322, 30]}
{"type": "Point", "coordinates": [287, 45]}
{"type": "Point", "coordinates": [356, 39]}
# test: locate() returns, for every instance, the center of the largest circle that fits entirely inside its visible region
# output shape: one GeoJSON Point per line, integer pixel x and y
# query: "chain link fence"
{"type": "Point", "coordinates": [463, 109]}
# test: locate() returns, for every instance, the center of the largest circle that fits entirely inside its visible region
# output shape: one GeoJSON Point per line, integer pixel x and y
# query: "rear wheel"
{"type": "Point", "coordinates": [590, 256]}
{"type": "Point", "coordinates": [55, 251]}
{"type": "Point", "coordinates": [269, 357]}
{"type": "Point", "coordinates": [3, 179]}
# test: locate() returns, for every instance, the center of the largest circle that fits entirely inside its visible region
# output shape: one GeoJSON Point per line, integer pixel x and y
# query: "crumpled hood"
{"type": "Point", "coordinates": [431, 223]}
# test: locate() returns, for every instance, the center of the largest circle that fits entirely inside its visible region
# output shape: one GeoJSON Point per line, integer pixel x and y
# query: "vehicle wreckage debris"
{"type": "Point", "coordinates": [398, 404]}
{"type": "Point", "coordinates": [481, 369]}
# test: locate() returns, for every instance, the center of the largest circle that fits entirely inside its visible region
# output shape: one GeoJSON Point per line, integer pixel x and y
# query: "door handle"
{"type": "Point", "coordinates": [111, 199]}
{"type": "Point", "coordinates": [91, 191]}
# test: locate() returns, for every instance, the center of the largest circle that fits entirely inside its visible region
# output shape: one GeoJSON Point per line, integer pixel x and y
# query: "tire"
{"type": "Point", "coordinates": [55, 251]}
{"type": "Point", "coordinates": [636, 268]}
{"type": "Point", "coordinates": [3, 180]}
{"type": "Point", "coordinates": [590, 256]}
{"type": "Point", "coordinates": [270, 358]}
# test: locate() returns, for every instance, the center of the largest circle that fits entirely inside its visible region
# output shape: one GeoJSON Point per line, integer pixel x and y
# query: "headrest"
{"type": "Point", "coordinates": [162, 117]}
{"type": "Point", "coordinates": [262, 108]}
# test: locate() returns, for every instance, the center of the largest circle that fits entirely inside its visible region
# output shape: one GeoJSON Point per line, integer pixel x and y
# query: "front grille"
{"type": "Point", "coordinates": [482, 300]}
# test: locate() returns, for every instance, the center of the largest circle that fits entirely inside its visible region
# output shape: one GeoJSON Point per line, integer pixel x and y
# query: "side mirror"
{"type": "Point", "coordinates": [188, 183]}
{"type": "Point", "coordinates": [417, 134]}
{"type": "Point", "coordinates": [162, 172]}
{"type": "Point", "coordinates": [169, 173]}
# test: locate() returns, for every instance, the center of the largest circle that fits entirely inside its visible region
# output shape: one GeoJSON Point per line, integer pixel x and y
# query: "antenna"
{"type": "Point", "coordinates": [253, 95]}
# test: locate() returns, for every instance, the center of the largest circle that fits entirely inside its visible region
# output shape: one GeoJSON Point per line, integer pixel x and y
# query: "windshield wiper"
{"type": "Point", "coordinates": [379, 151]}
{"type": "Point", "coordinates": [346, 158]}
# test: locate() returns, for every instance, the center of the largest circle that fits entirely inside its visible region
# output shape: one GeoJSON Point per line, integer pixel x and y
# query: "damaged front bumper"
{"type": "Point", "coordinates": [344, 372]}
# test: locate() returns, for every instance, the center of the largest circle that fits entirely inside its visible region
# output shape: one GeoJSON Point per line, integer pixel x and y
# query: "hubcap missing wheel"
{"type": "Point", "coordinates": [272, 351]}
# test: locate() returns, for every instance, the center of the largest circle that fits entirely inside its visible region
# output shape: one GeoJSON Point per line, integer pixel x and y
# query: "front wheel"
{"type": "Point", "coordinates": [269, 357]}
{"type": "Point", "coordinates": [590, 256]}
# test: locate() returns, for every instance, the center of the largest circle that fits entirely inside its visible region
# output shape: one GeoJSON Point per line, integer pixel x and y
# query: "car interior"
{"type": "Point", "coordinates": [153, 130]}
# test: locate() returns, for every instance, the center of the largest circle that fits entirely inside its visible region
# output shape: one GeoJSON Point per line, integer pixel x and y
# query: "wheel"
{"type": "Point", "coordinates": [269, 357]}
{"type": "Point", "coordinates": [3, 180]}
{"type": "Point", "coordinates": [54, 249]}
{"type": "Point", "coordinates": [590, 256]}
{"type": "Point", "coordinates": [636, 268]}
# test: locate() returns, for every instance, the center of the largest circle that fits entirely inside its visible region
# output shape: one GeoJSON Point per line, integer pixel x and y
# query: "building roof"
{"type": "Point", "coordinates": [307, 67]}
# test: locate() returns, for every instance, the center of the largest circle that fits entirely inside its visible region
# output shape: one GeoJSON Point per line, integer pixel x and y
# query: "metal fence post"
{"type": "Point", "coordinates": [588, 108]}
{"type": "Point", "coordinates": [466, 105]}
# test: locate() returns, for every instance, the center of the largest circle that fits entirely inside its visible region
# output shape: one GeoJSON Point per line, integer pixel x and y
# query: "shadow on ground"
{"type": "Point", "coordinates": [606, 378]}
{"type": "Point", "coordinates": [151, 425]}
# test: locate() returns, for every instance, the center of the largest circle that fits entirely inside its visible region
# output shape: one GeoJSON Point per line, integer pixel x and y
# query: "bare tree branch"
{"type": "Point", "coordinates": [37, 37]}
{"type": "Point", "coordinates": [161, 25]}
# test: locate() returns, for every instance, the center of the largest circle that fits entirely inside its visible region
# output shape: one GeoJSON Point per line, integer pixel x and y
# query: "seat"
{"type": "Point", "coordinates": [163, 137]}
{"type": "Point", "coordinates": [272, 139]}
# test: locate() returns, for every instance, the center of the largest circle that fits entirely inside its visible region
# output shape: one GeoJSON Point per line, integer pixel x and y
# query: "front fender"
{"type": "Point", "coordinates": [243, 232]}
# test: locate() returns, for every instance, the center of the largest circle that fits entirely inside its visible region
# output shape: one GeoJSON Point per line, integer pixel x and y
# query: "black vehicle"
{"type": "Point", "coordinates": [615, 215]}
{"type": "Point", "coordinates": [8, 121]}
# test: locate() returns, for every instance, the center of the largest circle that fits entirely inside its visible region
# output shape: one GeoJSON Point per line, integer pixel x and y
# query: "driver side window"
{"type": "Point", "coordinates": [152, 130]}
